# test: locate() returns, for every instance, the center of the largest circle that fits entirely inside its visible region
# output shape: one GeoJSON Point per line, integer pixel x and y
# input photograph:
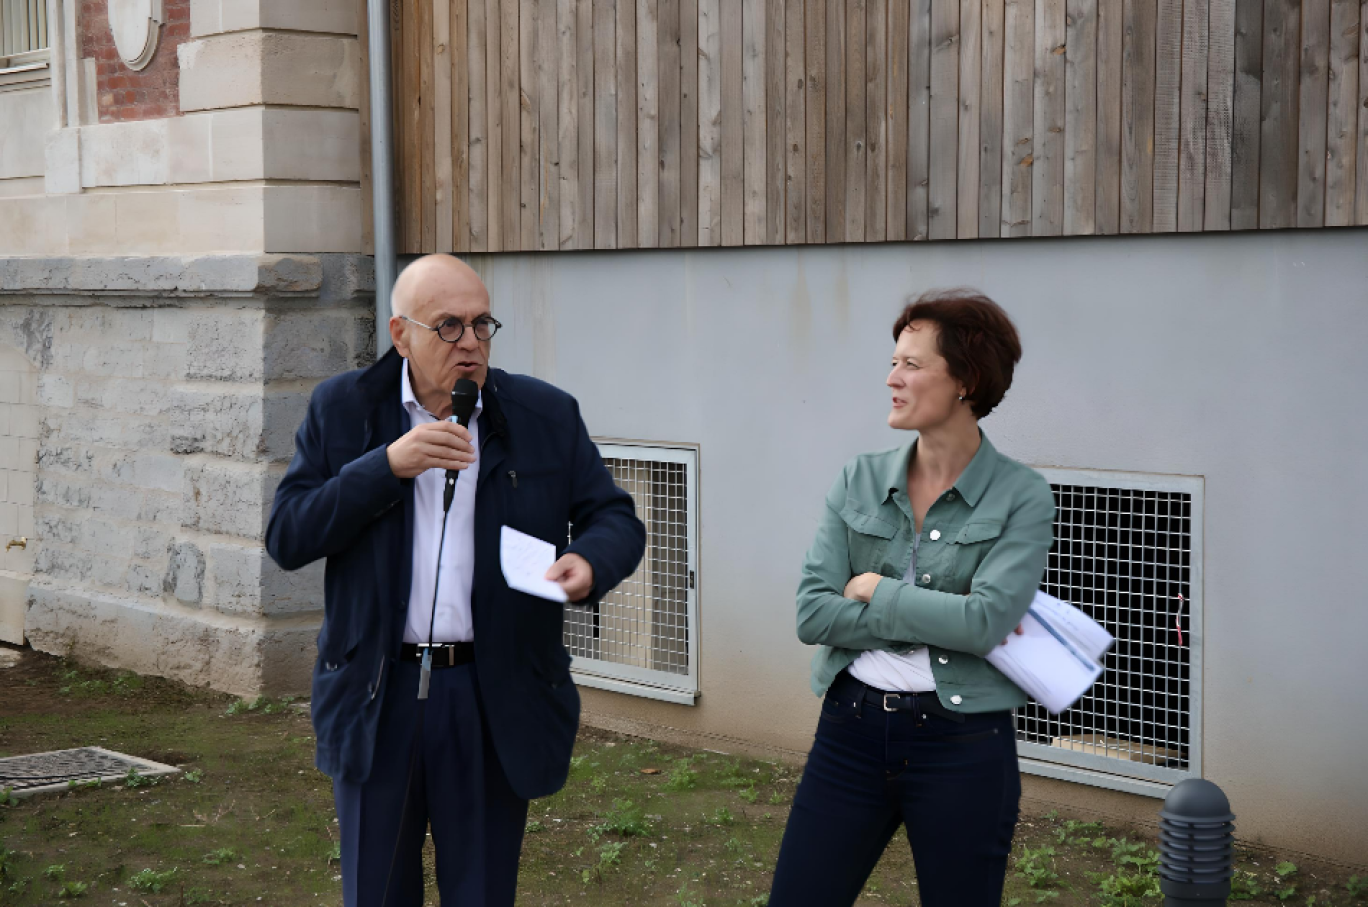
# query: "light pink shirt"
{"type": "Point", "coordinates": [453, 622]}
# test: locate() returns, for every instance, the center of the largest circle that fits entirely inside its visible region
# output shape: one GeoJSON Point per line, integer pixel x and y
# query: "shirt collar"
{"type": "Point", "coordinates": [411, 401]}
{"type": "Point", "coordinates": [972, 482]}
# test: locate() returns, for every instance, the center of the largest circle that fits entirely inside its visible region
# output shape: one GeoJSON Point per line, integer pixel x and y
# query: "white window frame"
{"type": "Point", "coordinates": [1120, 774]}
{"type": "Point", "coordinates": [682, 689]}
{"type": "Point", "coordinates": [32, 58]}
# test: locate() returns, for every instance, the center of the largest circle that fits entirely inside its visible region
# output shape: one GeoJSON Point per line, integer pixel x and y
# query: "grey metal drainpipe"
{"type": "Point", "coordinates": [382, 168]}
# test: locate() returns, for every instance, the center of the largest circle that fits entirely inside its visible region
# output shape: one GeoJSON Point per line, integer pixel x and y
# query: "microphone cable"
{"type": "Point", "coordinates": [462, 406]}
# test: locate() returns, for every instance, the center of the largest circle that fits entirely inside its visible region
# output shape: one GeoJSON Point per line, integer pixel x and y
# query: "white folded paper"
{"type": "Point", "coordinates": [1056, 659]}
{"type": "Point", "coordinates": [525, 560]}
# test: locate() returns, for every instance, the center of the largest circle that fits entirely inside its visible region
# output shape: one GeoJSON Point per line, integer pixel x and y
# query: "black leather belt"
{"type": "Point", "coordinates": [920, 704]}
{"type": "Point", "coordinates": [444, 654]}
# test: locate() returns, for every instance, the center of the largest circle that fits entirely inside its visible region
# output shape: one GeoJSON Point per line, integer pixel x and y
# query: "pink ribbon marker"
{"type": "Point", "coordinates": [1178, 620]}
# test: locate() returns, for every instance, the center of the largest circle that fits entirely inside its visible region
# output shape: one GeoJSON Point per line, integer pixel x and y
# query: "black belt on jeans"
{"type": "Point", "coordinates": [444, 654]}
{"type": "Point", "coordinates": [922, 704]}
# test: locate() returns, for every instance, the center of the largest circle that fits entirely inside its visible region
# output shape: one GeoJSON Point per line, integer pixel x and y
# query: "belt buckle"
{"type": "Point", "coordinates": [885, 702]}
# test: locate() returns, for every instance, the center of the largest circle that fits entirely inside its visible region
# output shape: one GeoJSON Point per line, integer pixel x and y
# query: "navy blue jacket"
{"type": "Point", "coordinates": [539, 473]}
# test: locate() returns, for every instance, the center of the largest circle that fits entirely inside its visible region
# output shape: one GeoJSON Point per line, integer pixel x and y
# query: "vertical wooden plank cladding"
{"type": "Point", "coordinates": [1313, 96]}
{"type": "Point", "coordinates": [624, 44]}
{"type": "Point", "coordinates": [510, 96]}
{"type": "Point", "coordinates": [814, 15]}
{"type": "Point", "coordinates": [548, 153]}
{"type": "Point", "coordinates": [668, 124]}
{"type": "Point", "coordinates": [409, 108]}
{"type": "Point", "coordinates": [795, 123]}
{"type": "Point", "coordinates": [1278, 134]}
{"type": "Point", "coordinates": [688, 133]}
{"type": "Point", "coordinates": [1220, 105]}
{"type": "Point", "coordinates": [991, 122]}
{"type": "Point", "coordinates": [1080, 117]}
{"type": "Point", "coordinates": [494, 122]}
{"type": "Point", "coordinates": [967, 178]}
{"type": "Point", "coordinates": [529, 103]}
{"type": "Point", "coordinates": [478, 37]}
{"type": "Point", "coordinates": [1047, 173]}
{"type": "Point", "coordinates": [648, 133]}
{"type": "Point", "coordinates": [856, 147]}
{"type": "Point", "coordinates": [1192, 117]}
{"type": "Point", "coordinates": [1168, 73]}
{"type": "Point", "coordinates": [567, 115]}
{"type": "Point", "coordinates": [1361, 175]}
{"type": "Point", "coordinates": [612, 225]}
{"type": "Point", "coordinates": [753, 121]}
{"type": "Point", "coordinates": [944, 153]}
{"type": "Point", "coordinates": [897, 124]}
{"type": "Point", "coordinates": [1109, 31]}
{"type": "Point", "coordinates": [1018, 116]}
{"type": "Point", "coordinates": [1342, 113]}
{"type": "Point", "coordinates": [1246, 115]}
{"type": "Point", "coordinates": [1137, 116]}
{"type": "Point", "coordinates": [835, 120]}
{"type": "Point", "coordinates": [919, 122]}
{"type": "Point", "coordinates": [733, 126]}
{"type": "Point", "coordinates": [876, 121]}
{"type": "Point", "coordinates": [427, 126]}
{"type": "Point", "coordinates": [775, 122]}
{"type": "Point", "coordinates": [439, 39]}
{"type": "Point", "coordinates": [584, 71]}
{"type": "Point", "coordinates": [709, 122]}
{"type": "Point", "coordinates": [457, 44]}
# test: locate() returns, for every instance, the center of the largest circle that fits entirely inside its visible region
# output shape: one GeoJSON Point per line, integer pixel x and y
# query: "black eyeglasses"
{"type": "Point", "coordinates": [452, 329]}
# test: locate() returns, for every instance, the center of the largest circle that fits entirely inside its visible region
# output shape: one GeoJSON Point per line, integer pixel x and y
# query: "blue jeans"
{"type": "Point", "coordinates": [954, 785]}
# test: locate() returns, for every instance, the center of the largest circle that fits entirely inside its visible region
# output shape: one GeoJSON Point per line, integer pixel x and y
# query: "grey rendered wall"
{"type": "Point", "coordinates": [1237, 358]}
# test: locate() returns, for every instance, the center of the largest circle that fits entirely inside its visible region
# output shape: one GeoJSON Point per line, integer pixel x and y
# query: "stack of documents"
{"type": "Point", "coordinates": [1057, 657]}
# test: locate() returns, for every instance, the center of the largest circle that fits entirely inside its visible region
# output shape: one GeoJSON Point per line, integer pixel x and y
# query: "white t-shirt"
{"type": "Point", "coordinates": [892, 673]}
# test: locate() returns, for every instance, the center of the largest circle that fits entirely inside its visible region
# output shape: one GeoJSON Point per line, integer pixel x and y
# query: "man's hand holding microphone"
{"type": "Point", "coordinates": [446, 445]}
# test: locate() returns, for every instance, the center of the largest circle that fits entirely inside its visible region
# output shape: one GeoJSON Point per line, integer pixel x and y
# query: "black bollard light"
{"type": "Point", "coordinates": [1196, 845]}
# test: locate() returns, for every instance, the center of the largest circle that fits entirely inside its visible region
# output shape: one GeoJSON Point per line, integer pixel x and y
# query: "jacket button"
{"type": "Point", "coordinates": [935, 535]}
{"type": "Point", "coordinates": [926, 577]}
{"type": "Point", "coordinates": [331, 666]}
{"type": "Point", "coordinates": [956, 700]}
{"type": "Point", "coordinates": [943, 660]}
{"type": "Point", "coordinates": [950, 496]}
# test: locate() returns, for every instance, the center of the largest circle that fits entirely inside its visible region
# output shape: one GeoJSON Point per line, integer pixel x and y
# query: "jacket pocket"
{"type": "Point", "coordinates": [968, 549]}
{"type": "Point", "coordinates": [867, 537]}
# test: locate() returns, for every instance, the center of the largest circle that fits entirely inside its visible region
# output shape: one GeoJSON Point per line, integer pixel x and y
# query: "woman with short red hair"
{"type": "Point", "coordinates": [926, 557]}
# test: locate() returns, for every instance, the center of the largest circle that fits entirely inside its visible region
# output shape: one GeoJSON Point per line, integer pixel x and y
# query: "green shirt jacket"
{"type": "Point", "coordinates": [980, 557]}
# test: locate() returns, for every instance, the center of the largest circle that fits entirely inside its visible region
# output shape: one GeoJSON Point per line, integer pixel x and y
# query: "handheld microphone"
{"type": "Point", "coordinates": [463, 398]}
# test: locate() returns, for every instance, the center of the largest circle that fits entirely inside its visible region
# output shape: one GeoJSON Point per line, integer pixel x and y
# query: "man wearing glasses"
{"type": "Point", "coordinates": [365, 491]}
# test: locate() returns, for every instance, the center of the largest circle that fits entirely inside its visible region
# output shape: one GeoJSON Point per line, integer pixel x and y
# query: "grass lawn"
{"type": "Point", "coordinates": [250, 821]}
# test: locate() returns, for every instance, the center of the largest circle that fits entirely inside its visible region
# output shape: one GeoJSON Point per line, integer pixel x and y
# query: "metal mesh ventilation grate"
{"type": "Point", "coordinates": [643, 630]}
{"type": "Point", "coordinates": [1125, 555]}
{"type": "Point", "coordinates": [55, 770]}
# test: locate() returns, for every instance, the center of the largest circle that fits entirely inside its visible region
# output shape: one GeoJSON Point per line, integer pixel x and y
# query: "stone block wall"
{"type": "Point", "coordinates": [167, 414]}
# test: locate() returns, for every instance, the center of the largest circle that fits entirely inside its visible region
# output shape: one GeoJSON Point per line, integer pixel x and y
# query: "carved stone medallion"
{"type": "Point", "coordinates": [136, 25]}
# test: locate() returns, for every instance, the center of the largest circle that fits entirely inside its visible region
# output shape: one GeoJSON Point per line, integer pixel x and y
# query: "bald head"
{"type": "Point", "coordinates": [432, 280]}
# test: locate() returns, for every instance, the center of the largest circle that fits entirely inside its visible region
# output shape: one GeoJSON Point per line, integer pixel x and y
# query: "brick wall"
{"type": "Point", "coordinates": [122, 93]}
